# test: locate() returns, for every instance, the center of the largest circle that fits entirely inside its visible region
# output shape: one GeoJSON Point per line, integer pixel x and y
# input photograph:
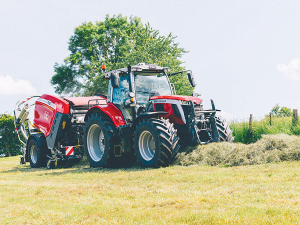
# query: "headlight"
{"type": "Point", "coordinates": [185, 102]}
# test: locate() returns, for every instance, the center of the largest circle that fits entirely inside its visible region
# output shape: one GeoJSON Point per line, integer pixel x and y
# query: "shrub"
{"type": "Point", "coordinates": [9, 142]}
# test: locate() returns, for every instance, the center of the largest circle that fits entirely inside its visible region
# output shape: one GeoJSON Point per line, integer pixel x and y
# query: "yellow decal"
{"type": "Point", "coordinates": [64, 125]}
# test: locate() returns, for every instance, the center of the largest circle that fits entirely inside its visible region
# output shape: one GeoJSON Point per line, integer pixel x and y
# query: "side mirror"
{"type": "Point", "coordinates": [114, 77]}
{"type": "Point", "coordinates": [191, 78]}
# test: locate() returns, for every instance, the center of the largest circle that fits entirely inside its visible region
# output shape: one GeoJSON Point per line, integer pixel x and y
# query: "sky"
{"type": "Point", "coordinates": [245, 55]}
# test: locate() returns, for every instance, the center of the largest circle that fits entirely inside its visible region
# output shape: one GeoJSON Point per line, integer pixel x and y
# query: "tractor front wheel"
{"type": "Point", "coordinates": [224, 130]}
{"type": "Point", "coordinates": [155, 143]}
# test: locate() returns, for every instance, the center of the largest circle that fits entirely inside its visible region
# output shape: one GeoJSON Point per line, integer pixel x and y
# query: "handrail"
{"type": "Point", "coordinates": [97, 102]}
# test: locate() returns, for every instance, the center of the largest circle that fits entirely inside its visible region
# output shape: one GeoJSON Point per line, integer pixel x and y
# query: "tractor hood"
{"type": "Point", "coordinates": [195, 100]}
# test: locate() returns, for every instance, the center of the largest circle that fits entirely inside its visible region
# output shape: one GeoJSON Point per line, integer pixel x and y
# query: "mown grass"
{"type": "Point", "coordinates": [269, 149]}
{"type": "Point", "coordinates": [261, 194]}
{"type": "Point", "coordinates": [279, 125]}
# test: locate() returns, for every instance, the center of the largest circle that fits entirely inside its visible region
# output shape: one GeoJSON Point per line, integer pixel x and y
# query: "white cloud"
{"type": "Point", "coordinates": [11, 86]}
{"type": "Point", "coordinates": [292, 70]}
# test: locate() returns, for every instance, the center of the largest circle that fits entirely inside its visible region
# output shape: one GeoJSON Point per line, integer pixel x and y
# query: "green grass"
{"type": "Point", "coordinates": [279, 125]}
{"type": "Point", "coordinates": [261, 194]}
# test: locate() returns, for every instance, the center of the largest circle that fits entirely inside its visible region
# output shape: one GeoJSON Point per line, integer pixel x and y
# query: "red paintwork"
{"type": "Point", "coordinates": [113, 112]}
{"type": "Point", "coordinates": [85, 100]}
{"type": "Point", "coordinates": [44, 114]}
{"type": "Point", "coordinates": [196, 100]}
{"type": "Point", "coordinates": [171, 116]}
{"type": "Point", "coordinates": [40, 121]}
{"type": "Point", "coordinates": [62, 106]}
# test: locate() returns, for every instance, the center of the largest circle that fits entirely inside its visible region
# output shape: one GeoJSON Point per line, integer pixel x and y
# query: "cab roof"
{"type": "Point", "coordinates": [141, 69]}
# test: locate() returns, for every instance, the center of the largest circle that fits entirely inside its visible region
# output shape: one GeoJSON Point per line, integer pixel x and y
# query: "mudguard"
{"type": "Point", "coordinates": [111, 111]}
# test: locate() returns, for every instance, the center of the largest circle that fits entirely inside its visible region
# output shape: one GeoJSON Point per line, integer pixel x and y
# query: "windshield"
{"type": "Point", "coordinates": [145, 86]}
{"type": "Point", "coordinates": [148, 86]}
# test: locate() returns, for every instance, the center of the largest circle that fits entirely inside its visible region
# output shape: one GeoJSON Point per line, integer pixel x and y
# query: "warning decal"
{"type": "Point", "coordinates": [69, 150]}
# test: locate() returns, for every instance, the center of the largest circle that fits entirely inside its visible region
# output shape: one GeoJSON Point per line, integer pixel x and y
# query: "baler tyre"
{"type": "Point", "coordinates": [155, 143]}
{"type": "Point", "coordinates": [36, 154]}
{"type": "Point", "coordinates": [22, 160]}
{"type": "Point", "coordinates": [98, 140]}
{"type": "Point", "coordinates": [224, 130]}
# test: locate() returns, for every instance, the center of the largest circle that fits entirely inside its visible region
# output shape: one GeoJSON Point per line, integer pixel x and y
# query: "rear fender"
{"type": "Point", "coordinates": [109, 110]}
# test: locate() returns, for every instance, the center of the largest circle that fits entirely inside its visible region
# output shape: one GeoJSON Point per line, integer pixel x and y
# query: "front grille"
{"type": "Point", "coordinates": [198, 108]}
{"type": "Point", "coordinates": [187, 109]}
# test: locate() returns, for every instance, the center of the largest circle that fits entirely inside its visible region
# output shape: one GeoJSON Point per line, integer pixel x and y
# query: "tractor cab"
{"type": "Point", "coordinates": [130, 89]}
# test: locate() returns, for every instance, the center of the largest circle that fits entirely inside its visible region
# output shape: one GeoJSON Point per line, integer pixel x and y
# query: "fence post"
{"type": "Point", "coordinates": [295, 116]}
{"type": "Point", "coordinates": [250, 125]}
{"type": "Point", "coordinates": [270, 119]}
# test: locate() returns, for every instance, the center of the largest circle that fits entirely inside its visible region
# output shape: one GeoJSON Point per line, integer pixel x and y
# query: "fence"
{"type": "Point", "coordinates": [294, 120]}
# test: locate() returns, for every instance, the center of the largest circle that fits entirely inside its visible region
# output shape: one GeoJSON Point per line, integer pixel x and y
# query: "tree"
{"type": "Point", "coordinates": [116, 43]}
{"type": "Point", "coordinates": [275, 110]}
{"type": "Point", "coordinates": [281, 112]}
{"type": "Point", "coordinates": [284, 111]}
{"type": "Point", "coordinates": [9, 142]}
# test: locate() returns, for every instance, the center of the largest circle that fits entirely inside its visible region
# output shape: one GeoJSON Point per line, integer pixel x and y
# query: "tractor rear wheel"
{"type": "Point", "coordinates": [155, 142]}
{"type": "Point", "coordinates": [36, 154]}
{"type": "Point", "coordinates": [224, 130]}
{"type": "Point", "coordinates": [98, 140]}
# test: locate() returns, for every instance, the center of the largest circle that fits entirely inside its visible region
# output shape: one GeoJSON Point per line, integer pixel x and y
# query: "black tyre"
{"type": "Point", "coordinates": [22, 160]}
{"type": "Point", "coordinates": [155, 143]}
{"type": "Point", "coordinates": [36, 154]}
{"type": "Point", "coordinates": [224, 130]}
{"type": "Point", "coordinates": [98, 140]}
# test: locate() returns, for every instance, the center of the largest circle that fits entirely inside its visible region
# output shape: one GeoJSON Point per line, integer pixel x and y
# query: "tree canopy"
{"type": "Point", "coordinates": [281, 112]}
{"type": "Point", "coordinates": [116, 42]}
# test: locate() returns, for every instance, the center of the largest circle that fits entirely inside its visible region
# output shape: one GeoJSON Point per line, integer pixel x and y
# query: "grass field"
{"type": "Point", "coordinates": [261, 194]}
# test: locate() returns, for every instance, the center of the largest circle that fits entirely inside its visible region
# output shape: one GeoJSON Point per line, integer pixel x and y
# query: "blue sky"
{"type": "Point", "coordinates": [244, 54]}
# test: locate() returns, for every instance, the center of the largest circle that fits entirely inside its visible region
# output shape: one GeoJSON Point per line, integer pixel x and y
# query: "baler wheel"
{"type": "Point", "coordinates": [36, 154]}
{"type": "Point", "coordinates": [98, 140]}
{"type": "Point", "coordinates": [155, 143]}
{"type": "Point", "coordinates": [22, 160]}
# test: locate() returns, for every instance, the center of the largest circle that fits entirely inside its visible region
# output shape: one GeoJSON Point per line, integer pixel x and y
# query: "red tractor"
{"type": "Point", "coordinates": [141, 117]}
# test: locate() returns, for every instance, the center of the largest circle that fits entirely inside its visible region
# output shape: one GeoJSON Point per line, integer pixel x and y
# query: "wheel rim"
{"type": "Point", "coordinates": [147, 145]}
{"type": "Point", "coordinates": [95, 142]}
{"type": "Point", "coordinates": [33, 154]}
